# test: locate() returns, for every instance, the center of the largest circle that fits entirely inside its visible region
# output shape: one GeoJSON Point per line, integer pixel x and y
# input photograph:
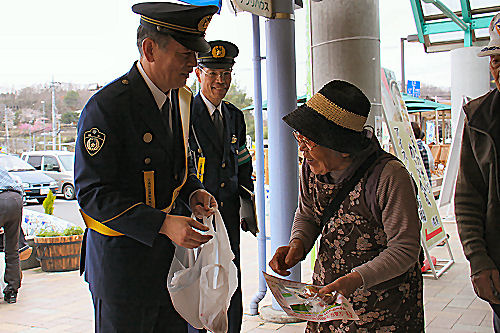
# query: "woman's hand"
{"type": "Point", "coordinates": [286, 257]}
{"type": "Point", "coordinates": [345, 285]}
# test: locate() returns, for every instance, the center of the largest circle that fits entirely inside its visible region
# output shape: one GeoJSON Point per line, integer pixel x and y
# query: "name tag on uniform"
{"type": "Point", "coordinates": [201, 168]}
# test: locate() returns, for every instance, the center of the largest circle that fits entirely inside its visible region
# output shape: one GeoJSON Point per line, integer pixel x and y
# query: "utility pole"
{"type": "Point", "coordinates": [54, 130]}
{"type": "Point", "coordinates": [43, 121]}
{"type": "Point", "coordinates": [59, 134]}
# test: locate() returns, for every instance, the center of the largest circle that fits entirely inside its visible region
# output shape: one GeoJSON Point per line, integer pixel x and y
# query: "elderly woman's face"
{"type": "Point", "coordinates": [495, 69]}
{"type": "Point", "coordinates": [322, 160]}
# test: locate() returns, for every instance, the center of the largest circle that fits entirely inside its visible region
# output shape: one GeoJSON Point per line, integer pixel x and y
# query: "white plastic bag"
{"type": "Point", "coordinates": [201, 288]}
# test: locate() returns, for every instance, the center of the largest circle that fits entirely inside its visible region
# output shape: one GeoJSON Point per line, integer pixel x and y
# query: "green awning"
{"type": "Point", "coordinates": [415, 104]}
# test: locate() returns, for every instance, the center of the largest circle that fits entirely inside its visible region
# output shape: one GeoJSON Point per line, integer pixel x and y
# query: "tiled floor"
{"type": "Point", "coordinates": [60, 302]}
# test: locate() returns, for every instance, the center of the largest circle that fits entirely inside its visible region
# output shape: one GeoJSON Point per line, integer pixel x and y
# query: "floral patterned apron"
{"type": "Point", "coordinates": [350, 238]}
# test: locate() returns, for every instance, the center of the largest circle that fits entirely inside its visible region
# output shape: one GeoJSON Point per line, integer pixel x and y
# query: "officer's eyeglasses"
{"type": "Point", "coordinates": [214, 75]}
{"type": "Point", "coordinates": [303, 140]}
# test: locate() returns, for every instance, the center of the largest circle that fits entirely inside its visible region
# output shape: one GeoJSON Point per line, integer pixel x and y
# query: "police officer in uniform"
{"type": "Point", "coordinates": [220, 138]}
{"type": "Point", "coordinates": [131, 164]}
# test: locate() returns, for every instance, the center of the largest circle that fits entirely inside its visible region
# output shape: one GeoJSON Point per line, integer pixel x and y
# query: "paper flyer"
{"type": "Point", "coordinates": [301, 300]}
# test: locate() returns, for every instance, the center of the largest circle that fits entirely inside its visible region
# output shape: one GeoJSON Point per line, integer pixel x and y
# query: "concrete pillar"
{"type": "Point", "coordinates": [282, 99]}
{"type": "Point", "coordinates": [346, 46]}
{"type": "Point", "coordinates": [470, 77]}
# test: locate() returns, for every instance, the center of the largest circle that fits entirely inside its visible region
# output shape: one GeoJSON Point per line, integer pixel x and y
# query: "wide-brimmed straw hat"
{"type": "Point", "coordinates": [334, 117]}
{"type": "Point", "coordinates": [493, 47]}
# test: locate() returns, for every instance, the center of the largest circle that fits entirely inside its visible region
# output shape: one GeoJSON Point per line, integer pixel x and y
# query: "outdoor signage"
{"type": "Point", "coordinates": [257, 7]}
{"type": "Point", "coordinates": [405, 148]}
{"type": "Point", "coordinates": [413, 88]}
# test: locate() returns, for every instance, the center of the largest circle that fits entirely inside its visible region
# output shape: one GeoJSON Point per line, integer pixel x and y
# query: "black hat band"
{"type": "Point", "coordinates": [335, 113]}
{"type": "Point", "coordinates": [173, 26]}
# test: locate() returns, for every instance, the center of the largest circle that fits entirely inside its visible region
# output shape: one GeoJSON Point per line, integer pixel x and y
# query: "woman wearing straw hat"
{"type": "Point", "coordinates": [361, 200]}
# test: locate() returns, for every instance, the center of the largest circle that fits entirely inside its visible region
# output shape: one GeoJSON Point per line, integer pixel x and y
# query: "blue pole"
{"type": "Point", "coordinates": [282, 99]}
{"type": "Point", "coordinates": [259, 157]}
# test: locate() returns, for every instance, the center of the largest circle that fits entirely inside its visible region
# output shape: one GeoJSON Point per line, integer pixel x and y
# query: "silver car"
{"type": "Point", "coordinates": [56, 164]}
{"type": "Point", "coordinates": [35, 183]}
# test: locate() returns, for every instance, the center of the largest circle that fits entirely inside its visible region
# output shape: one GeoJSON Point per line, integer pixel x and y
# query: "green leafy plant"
{"type": "Point", "coordinates": [70, 231]}
{"type": "Point", "coordinates": [48, 203]}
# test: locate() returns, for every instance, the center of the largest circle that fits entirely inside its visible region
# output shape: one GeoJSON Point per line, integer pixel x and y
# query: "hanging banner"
{"type": "Point", "coordinates": [405, 148]}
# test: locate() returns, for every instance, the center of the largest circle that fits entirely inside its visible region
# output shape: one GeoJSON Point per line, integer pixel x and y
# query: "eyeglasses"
{"type": "Point", "coordinates": [303, 140]}
{"type": "Point", "coordinates": [214, 75]}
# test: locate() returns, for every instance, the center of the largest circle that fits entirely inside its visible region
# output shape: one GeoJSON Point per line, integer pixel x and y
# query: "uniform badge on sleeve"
{"type": "Point", "coordinates": [94, 140]}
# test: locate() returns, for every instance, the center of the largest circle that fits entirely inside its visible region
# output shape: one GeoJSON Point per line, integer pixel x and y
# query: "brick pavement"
{"type": "Point", "coordinates": [60, 302]}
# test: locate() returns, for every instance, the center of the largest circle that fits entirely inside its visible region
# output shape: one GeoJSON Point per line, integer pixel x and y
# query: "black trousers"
{"type": "Point", "coordinates": [122, 317]}
{"type": "Point", "coordinates": [11, 213]}
{"type": "Point", "coordinates": [22, 244]}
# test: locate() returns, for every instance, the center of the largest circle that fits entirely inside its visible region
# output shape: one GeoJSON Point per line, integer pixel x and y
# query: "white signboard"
{"type": "Point", "coordinates": [257, 7]}
{"type": "Point", "coordinates": [405, 148]}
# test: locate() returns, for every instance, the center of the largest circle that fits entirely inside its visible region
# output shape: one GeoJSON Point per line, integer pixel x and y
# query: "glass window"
{"type": "Point", "coordinates": [50, 164]}
{"type": "Point", "coordinates": [14, 163]}
{"type": "Point", "coordinates": [35, 161]}
{"type": "Point", "coordinates": [67, 161]}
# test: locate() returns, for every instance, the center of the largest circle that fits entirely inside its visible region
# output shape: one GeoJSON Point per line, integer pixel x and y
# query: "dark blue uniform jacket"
{"type": "Point", "coordinates": [121, 138]}
{"type": "Point", "coordinates": [228, 163]}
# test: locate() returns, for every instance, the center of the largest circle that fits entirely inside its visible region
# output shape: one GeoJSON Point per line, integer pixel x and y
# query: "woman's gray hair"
{"type": "Point", "coordinates": [159, 38]}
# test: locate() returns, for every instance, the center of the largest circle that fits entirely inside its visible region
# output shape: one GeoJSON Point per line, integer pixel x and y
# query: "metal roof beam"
{"type": "Point", "coordinates": [446, 11]}
{"type": "Point", "coordinates": [466, 12]}
{"type": "Point", "coordinates": [416, 7]}
{"type": "Point", "coordinates": [476, 11]}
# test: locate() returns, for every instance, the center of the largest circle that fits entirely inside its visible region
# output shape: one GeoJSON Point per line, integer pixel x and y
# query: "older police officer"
{"type": "Point", "coordinates": [130, 166]}
{"type": "Point", "coordinates": [221, 140]}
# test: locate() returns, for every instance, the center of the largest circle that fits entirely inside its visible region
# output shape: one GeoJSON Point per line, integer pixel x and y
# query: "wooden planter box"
{"type": "Point", "coordinates": [60, 253]}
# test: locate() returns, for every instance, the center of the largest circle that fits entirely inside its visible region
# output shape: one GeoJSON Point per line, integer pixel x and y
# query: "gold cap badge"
{"type": "Point", "coordinates": [218, 51]}
{"type": "Point", "coordinates": [93, 140]}
{"type": "Point", "coordinates": [204, 22]}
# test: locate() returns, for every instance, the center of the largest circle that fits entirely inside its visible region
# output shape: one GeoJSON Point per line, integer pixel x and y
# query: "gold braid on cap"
{"type": "Point", "coordinates": [170, 25]}
{"type": "Point", "coordinates": [335, 113]}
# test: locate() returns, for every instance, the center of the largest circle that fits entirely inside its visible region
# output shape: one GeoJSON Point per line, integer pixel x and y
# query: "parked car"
{"type": "Point", "coordinates": [56, 164]}
{"type": "Point", "coordinates": [35, 183]}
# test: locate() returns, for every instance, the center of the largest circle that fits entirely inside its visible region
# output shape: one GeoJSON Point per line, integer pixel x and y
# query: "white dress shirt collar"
{"type": "Point", "coordinates": [211, 108]}
{"type": "Point", "coordinates": [159, 96]}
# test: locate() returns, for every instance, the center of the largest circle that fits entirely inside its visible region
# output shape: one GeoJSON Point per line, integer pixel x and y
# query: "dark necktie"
{"type": "Point", "coordinates": [219, 125]}
{"type": "Point", "coordinates": [165, 113]}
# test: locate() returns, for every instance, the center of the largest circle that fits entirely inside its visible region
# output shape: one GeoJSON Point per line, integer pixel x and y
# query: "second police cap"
{"type": "Point", "coordinates": [220, 56]}
{"type": "Point", "coordinates": [185, 23]}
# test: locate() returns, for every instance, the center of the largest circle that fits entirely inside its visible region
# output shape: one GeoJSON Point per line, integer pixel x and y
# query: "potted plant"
{"type": "Point", "coordinates": [59, 251]}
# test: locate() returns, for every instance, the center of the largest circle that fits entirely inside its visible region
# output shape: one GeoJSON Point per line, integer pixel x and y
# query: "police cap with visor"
{"type": "Point", "coordinates": [185, 23]}
{"type": "Point", "coordinates": [220, 56]}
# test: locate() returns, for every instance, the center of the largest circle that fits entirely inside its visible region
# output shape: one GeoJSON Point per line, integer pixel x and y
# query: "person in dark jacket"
{"type": "Point", "coordinates": [477, 197]}
{"type": "Point", "coordinates": [220, 138]}
{"type": "Point", "coordinates": [11, 213]}
{"type": "Point", "coordinates": [131, 164]}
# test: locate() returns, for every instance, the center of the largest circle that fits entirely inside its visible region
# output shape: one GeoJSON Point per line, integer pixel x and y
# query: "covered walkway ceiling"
{"type": "Point", "coordinates": [443, 25]}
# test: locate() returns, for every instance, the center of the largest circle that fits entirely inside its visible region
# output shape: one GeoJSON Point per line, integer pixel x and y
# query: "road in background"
{"type": "Point", "coordinates": [65, 209]}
